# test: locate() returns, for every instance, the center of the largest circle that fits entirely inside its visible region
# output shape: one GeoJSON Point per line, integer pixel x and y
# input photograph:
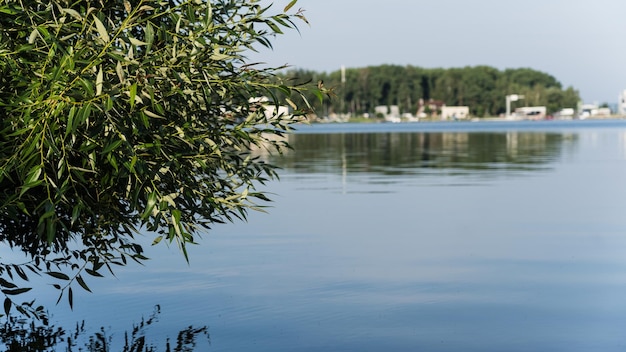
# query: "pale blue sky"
{"type": "Point", "coordinates": [580, 42]}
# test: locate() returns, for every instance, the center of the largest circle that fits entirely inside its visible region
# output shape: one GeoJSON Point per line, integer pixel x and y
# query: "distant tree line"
{"type": "Point", "coordinates": [482, 88]}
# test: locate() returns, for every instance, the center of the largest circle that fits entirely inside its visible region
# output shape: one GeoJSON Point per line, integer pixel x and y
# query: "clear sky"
{"type": "Point", "coordinates": [580, 42]}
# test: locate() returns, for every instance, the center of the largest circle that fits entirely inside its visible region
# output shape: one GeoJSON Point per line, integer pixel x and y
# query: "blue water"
{"type": "Point", "coordinates": [498, 236]}
{"type": "Point", "coordinates": [464, 126]}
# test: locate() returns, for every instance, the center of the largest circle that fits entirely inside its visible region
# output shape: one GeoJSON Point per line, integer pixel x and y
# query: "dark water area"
{"type": "Point", "coordinates": [398, 237]}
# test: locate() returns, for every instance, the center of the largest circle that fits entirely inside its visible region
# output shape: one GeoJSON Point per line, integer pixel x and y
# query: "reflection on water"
{"type": "Point", "coordinates": [380, 158]}
{"type": "Point", "coordinates": [401, 153]}
{"type": "Point", "coordinates": [366, 247]}
{"type": "Point", "coordinates": [21, 334]}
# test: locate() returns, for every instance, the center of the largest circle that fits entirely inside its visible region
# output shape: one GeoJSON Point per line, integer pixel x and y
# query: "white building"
{"type": "Point", "coordinates": [565, 114]}
{"type": "Point", "coordinates": [454, 112]}
{"type": "Point", "coordinates": [587, 110]}
{"type": "Point", "coordinates": [621, 103]}
{"type": "Point", "coordinates": [382, 110]}
{"type": "Point", "coordinates": [391, 113]}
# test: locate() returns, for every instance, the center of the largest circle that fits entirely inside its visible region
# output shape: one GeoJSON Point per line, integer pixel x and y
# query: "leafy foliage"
{"type": "Point", "coordinates": [482, 88]}
{"type": "Point", "coordinates": [120, 116]}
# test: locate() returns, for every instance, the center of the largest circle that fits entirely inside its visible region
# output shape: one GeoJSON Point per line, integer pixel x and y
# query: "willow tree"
{"type": "Point", "coordinates": [128, 116]}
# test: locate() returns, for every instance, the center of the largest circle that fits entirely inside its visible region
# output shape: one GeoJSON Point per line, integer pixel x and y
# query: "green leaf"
{"type": "Point", "coordinates": [33, 174]}
{"type": "Point", "coordinates": [136, 42]}
{"type": "Point", "coordinates": [16, 291]}
{"type": "Point", "coordinates": [73, 13]}
{"type": "Point", "coordinates": [149, 36]}
{"type": "Point", "coordinates": [151, 114]}
{"type": "Point", "coordinates": [274, 28]}
{"type": "Point", "coordinates": [120, 72]}
{"type": "Point", "coordinates": [93, 273]}
{"type": "Point", "coordinates": [20, 272]}
{"type": "Point", "coordinates": [70, 297]}
{"type": "Point", "coordinates": [152, 200]}
{"type": "Point", "coordinates": [22, 310]}
{"type": "Point", "coordinates": [32, 179]}
{"type": "Point", "coordinates": [82, 283]}
{"type": "Point", "coordinates": [290, 5]}
{"type": "Point", "coordinates": [87, 86]}
{"type": "Point", "coordinates": [319, 95]}
{"type": "Point", "coordinates": [133, 95]}
{"type": "Point", "coordinates": [70, 121]}
{"type": "Point", "coordinates": [5, 283]}
{"type": "Point", "coordinates": [113, 145]}
{"type": "Point", "coordinates": [101, 29]}
{"type": "Point", "coordinates": [176, 222]}
{"type": "Point", "coordinates": [58, 275]}
{"type": "Point", "coordinates": [7, 305]}
{"type": "Point", "coordinates": [8, 11]}
{"type": "Point", "coordinates": [33, 36]}
{"type": "Point", "coordinates": [113, 161]}
{"type": "Point", "coordinates": [83, 114]}
{"type": "Point", "coordinates": [99, 81]}
{"type": "Point", "coordinates": [75, 213]}
{"type": "Point", "coordinates": [51, 227]}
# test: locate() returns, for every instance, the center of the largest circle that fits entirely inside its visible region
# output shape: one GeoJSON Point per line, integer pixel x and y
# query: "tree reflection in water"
{"type": "Point", "coordinates": [420, 153]}
{"type": "Point", "coordinates": [23, 334]}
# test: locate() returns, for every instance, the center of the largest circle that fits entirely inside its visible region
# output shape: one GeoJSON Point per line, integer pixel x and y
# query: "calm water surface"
{"type": "Point", "coordinates": [416, 237]}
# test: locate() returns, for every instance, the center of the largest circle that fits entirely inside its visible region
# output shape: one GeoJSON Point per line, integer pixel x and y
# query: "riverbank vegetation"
{"type": "Point", "coordinates": [411, 88]}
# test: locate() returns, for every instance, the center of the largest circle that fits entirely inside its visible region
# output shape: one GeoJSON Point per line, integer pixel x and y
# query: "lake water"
{"type": "Point", "coordinates": [404, 237]}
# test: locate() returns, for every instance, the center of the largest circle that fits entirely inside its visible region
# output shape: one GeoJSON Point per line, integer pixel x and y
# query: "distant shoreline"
{"type": "Point", "coordinates": [494, 125]}
{"type": "Point", "coordinates": [475, 119]}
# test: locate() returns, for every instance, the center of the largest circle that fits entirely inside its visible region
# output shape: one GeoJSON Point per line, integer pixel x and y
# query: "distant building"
{"type": "Point", "coordinates": [454, 112]}
{"type": "Point", "coordinates": [531, 112]}
{"type": "Point", "coordinates": [389, 113]}
{"type": "Point", "coordinates": [587, 110]}
{"type": "Point", "coordinates": [565, 114]}
{"type": "Point", "coordinates": [431, 107]}
{"type": "Point", "coordinates": [394, 111]}
{"type": "Point", "coordinates": [382, 110]}
{"type": "Point", "coordinates": [604, 112]}
{"type": "Point", "coordinates": [621, 106]}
